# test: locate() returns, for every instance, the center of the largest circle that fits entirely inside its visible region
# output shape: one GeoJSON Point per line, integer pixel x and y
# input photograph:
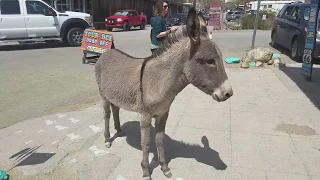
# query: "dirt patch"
{"type": "Point", "coordinates": [296, 129]}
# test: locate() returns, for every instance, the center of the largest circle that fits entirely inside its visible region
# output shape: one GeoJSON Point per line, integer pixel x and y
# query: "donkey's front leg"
{"type": "Point", "coordinates": [160, 126]}
{"type": "Point", "coordinates": [145, 127]}
{"type": "Point", "coordinates": [106, 116]}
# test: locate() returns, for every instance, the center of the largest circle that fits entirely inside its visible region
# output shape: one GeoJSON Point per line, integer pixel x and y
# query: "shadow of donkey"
{"type": "Point", "coordinates": [173, 148]}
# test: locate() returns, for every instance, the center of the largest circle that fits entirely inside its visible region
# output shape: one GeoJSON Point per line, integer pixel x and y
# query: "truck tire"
{"type": "Point", "coordinates": [125, 26]}
{"type": "Point", "coordinates": [143, 25]}
{"type": "Point", "coordinates": [74, 36]}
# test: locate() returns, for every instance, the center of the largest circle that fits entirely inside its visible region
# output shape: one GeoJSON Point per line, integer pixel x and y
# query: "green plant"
{"type": "Point", "coordinates": [247, 22]}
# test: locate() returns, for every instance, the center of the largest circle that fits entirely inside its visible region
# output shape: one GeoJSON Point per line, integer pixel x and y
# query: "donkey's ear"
{"type": "Point", "coordinates": [203, 24]}
{"type": "Point", "coordinates": [193, 26]}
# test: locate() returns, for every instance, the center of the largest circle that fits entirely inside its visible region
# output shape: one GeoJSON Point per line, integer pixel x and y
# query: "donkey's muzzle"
{"type": "Point", "coordinates": [223, 93]}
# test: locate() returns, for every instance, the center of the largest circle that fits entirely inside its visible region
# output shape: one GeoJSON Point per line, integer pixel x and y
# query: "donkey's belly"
{"type": "Point", "coordinates": [121, 86]}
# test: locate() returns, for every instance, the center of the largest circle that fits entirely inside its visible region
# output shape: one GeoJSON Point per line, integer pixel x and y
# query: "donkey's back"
{"type": "Point", "coordinates": [118, 78]}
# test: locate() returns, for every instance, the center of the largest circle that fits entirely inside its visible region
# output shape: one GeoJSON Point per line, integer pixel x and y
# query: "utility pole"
{"type": "Point", "coordinates": [255, 25]}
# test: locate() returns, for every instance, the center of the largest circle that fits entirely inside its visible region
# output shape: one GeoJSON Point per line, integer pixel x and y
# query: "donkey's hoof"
{"type": "Point", "coordinates": [107, 144]}
{"type": "Point", "coordinates": [168, 174]}
{"type": "Point", "coordinates": [146, 178]}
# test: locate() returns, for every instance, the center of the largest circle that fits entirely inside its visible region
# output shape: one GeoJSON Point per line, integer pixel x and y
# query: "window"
{"type": "Point", "coordinates": [296, 13]}
{"type": "Point", "coordinates": [36, 7]}
{"type": "Point", "coordinates": [121, 13]}
{"type": "Point", "coordinates": [288, 11]}
{"type": "Point", "coordinates": [269, 6]}
{"type": "Point", "coordinates": [133, 13]}
{"type": "Point", "coordinates": [282, 11]}
{"type": "Point", "coordinates": [9, 7]}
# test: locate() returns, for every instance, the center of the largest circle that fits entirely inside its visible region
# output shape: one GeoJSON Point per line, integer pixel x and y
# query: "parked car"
{"type": "Point", "coordinates": [234, 15]}
{"type": "Point", "coordinates": [34, 20]}
{"type": "Point", "coordinates": [290, 29]}
{"type": "Point", "coordinates": [250, 12]}
{"type": "Point", "coordinates": [176, 19]}
{"type": "Point", "coordinates": [125, 19]}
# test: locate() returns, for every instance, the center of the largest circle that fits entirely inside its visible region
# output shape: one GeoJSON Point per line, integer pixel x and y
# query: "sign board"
{"type": "Point", "coordinates": [96, 41]}
{"type": "Point", "coordinates": [310, 40]}
{"type": "Point", "coordinates": [264, 17]}
{"type": "Point", "coordinates": [215, 15]}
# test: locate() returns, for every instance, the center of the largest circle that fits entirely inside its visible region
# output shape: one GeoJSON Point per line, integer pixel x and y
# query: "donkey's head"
{"type": "Point", "coordinates": [204, 67]}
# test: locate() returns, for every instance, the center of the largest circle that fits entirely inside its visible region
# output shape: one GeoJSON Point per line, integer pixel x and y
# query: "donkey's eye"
{"type": "Point", "coordinates": [210, 61]}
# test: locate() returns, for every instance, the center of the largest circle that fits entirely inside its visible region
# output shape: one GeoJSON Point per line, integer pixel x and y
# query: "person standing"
{"type": "Point", "coordinates": [159, 30]}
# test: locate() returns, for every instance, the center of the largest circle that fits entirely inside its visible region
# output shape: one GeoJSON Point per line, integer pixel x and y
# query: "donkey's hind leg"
{"type": "Point", "coordinates": [106, 116]}
{"type": "Point", "coordinates": [160, 126]}
{"type": "Point", "coordinates": [115, 113]}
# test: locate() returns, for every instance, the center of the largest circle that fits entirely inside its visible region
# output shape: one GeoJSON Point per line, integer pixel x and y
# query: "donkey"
{"type": "Point", "coordinates": [149, 85]}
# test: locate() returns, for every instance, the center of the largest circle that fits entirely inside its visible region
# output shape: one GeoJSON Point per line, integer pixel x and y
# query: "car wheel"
{"type": "Point", "coordinates": [125, 26]}
{"type": "Point", "coordinates": [294, 49]}
{"type": "Point", "coordinates": [273, 42]}
{"type": "Point", "coordinates": [143, 25]}
{"type": "Point", "coordinates": [109, 29]}
{"type": "Point", "coordinates": [74, 36]}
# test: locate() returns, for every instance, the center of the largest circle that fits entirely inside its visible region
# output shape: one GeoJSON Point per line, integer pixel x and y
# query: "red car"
{"type": "Point", "coordinates": [125, 19]}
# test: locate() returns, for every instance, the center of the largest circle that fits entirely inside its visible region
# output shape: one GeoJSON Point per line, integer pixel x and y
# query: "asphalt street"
{"type": "Point", "coordinates": [41, 79]}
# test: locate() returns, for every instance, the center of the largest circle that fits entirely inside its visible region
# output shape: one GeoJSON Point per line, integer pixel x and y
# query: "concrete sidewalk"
{"type": "Point", "coordinates": [269, 129]}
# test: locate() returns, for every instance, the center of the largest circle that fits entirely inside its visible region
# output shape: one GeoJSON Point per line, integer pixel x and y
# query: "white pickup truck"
{"type": "Point", "coordinates": [34, 20]}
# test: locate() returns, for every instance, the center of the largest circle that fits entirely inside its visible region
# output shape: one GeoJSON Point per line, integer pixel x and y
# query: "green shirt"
{"type": "Point", "coordinates": [158, 26]}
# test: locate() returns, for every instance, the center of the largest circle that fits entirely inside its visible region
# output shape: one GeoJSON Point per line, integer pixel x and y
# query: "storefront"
{"type": "Point", "coordinates": [100, 9]}
{"type": "Point", "coordinates": [71, 5]}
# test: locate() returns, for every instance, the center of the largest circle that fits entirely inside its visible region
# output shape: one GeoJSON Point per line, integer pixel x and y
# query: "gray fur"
{"type": "Point", "coordinates": [149, 85]}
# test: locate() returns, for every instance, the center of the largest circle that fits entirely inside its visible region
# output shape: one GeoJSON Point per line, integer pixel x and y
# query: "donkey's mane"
{"type": "Point", "coordinates": [169, 40]}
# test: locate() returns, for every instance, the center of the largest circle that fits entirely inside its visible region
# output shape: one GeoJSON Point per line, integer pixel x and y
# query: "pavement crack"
{"type": "Point", "coordinates": [60, 142]}
{"type": "Point", "coordinates": [111, 172]}
{"type": "Point", "coordinates": [55, 164]}
{"type": "Point", "coordinates": [58, 163]}
{"type": "Point", "coordinates": [295, 147]}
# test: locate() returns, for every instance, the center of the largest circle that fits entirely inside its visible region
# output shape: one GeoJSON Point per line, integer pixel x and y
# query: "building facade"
{"type": "Point", "coordinates": [104, 8]}
{"type": "Point", "coordinates": [100, 9]}
{"type": "Point", "coordinates": [71, 5]}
